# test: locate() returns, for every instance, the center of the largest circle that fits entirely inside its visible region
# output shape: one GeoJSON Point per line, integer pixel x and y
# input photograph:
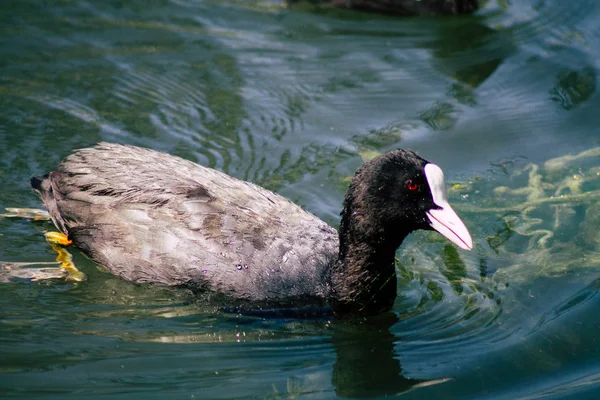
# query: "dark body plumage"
{"type": "Point", "coordinates": [152, 217]}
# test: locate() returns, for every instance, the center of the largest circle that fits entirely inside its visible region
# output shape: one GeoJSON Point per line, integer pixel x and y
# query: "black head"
{"type": "Point", "coordinates": [399, 192]}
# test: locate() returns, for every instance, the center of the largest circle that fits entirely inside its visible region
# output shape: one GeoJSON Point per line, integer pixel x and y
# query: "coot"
{"type": "Point", "coordinates": [405, 7]}
{"type": "Point", "coordinates": [148, 216]}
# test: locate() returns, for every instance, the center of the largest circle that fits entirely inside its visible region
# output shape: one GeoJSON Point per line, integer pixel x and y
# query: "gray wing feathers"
{"type": "Point", "coordinates": [151, 217]}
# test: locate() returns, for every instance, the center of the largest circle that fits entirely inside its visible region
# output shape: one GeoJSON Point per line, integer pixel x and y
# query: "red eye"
{"type": "Point", "coordinates": [411, 185]}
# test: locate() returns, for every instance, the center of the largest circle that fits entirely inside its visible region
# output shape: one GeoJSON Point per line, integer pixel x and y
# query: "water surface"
{"type": "Point", "coordinates": [294, 99]}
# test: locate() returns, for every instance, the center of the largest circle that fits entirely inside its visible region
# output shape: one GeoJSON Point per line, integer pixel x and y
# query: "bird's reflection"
{"type": "Point", "coordinates": [469, 50]}
{"type": "Point", "coordinates": [366, 364]}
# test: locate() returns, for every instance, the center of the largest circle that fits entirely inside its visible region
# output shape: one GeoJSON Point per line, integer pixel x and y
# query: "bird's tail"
{"type": "Point", "coordinates": [42, 185]}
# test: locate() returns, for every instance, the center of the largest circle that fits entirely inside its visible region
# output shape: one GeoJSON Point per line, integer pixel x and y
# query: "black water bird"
{"type": "Point", "coordinates": [148, 216]}
{"type": "Point", "coordinates": [404, 7]}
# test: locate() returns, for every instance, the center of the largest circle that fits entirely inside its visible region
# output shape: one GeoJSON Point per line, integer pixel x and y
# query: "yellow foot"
{"type": "Point", "coordinates": [66, 263]}
{"type": "Point", "coordinates": [57, 238]}
{"type": "Point", "coordinates": [66, 269]}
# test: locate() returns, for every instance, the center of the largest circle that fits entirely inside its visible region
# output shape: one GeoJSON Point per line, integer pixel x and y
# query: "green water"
{"type": "Point", "coordinates": [294, 99]}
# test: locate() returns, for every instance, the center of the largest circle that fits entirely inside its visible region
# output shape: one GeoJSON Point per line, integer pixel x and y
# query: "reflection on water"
{"type": "Point", "coordinates": [295, 99]}
{"type": "Point", "coordinates": [366, 362]}
{"type": "Point", "coordinates": [574, 87]}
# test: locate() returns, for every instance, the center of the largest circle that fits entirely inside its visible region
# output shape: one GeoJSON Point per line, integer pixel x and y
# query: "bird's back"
{"type": "Point", "coordinates": [151, 217]}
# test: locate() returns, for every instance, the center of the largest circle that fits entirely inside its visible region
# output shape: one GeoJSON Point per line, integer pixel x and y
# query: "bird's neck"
{"type": "Point", "coordinates": [364, 276]}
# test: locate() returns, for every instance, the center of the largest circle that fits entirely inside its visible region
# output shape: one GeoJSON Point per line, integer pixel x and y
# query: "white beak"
{"type": "Point", "coordinates": [444, 220]}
